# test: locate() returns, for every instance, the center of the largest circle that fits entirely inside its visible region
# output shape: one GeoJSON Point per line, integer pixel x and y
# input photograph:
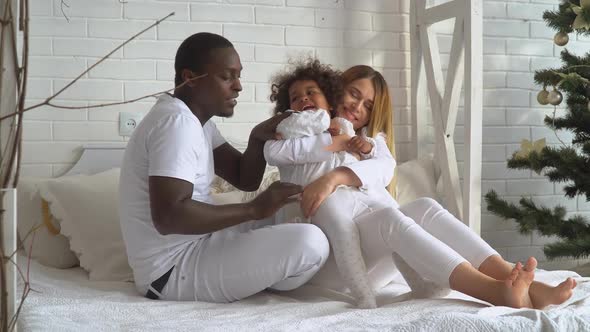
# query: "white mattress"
{"type": "Point", "coordinates": [65, 300]}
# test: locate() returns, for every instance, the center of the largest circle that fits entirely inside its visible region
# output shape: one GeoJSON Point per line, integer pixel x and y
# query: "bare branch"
{"type": "Point", "coordinates": [48, 100]}
{"type": "Point", "coordinates": [29, 233]}
{"type": "Point", "coordinates": [107, 56]}
{"type": "Point", "coordinates": [126, 101]}
{"type": "Point", "coordinates": [61, 6]}
{"type": "Point", "coordinates": [24, 19]}
{"type": "Point", "coordinates": [26, 288]}
{"type": "Point", "coordinates": [23, 94]}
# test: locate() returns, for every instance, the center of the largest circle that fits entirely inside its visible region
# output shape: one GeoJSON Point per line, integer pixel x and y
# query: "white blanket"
{"type": "Point", "coordinates": [65, 300]}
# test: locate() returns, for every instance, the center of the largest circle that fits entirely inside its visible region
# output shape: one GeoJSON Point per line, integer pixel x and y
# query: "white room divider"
{"type": "Point", "coordinates": [465, 66]}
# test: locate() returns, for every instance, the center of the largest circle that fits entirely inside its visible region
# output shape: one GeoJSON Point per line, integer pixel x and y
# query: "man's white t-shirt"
{"type": "Point", "coordinates": [170, 141]}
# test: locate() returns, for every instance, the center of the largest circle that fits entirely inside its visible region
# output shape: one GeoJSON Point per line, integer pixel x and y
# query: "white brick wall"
{"type": "Point", "coordinates": [266, 33]}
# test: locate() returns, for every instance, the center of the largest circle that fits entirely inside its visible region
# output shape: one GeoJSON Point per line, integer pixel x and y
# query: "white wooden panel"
{"type": "Point", "coordinates": [473, 114]}
{"type": "Point", "coordinates": [454, 79]}
{"type": "Point", "coordinates": [445, 149]}
{"type": "Point", "coordinates": [98, 158]}
{"type": "Point", "coordinates": [9, 245]}
{"type": "Point", "coordinates": [418, 102]}
{"type": "Point", "coordinates": [442, 12]}
{"type": "Point", "coordinates": [465, 64]}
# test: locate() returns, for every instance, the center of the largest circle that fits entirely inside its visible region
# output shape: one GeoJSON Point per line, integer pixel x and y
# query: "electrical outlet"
{"type": "Point", "coordinates": [128, 121]}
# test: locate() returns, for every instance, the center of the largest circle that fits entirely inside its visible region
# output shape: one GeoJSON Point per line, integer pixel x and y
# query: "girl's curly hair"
{"type": "Point", "coordinates": [328, 80]}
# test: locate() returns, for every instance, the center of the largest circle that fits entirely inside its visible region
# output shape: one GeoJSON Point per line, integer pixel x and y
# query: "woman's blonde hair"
{"type": "Point", "coordinates": [381, 118]}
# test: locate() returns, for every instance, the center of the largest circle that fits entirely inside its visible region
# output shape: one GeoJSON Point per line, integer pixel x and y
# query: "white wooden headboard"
{"type": "Point", "coordinates": [98, 157]}
{"type": "Point", "coordinates": [464, 69]}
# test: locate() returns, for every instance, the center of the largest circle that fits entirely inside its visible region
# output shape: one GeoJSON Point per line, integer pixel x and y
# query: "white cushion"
{"type": "Point", "coordinates": [416, 178]}
{"type": "Point", "coordinates": [271, 174]}
{"type": "Point", "coordinates": [87, 207]}
{"type": "Point", "coordinates": [49, 247]}
{"type": "Point", "coordinates": [231, 197]}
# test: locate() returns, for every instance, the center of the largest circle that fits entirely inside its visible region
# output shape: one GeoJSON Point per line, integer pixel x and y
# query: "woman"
{"type": "Point", "coordinates": [431, 240]}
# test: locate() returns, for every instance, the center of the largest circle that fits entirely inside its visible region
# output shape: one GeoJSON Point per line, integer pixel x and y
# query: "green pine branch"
{"type": "Point", "coordinates": [576, 248]}
{"type": "Point", "coordinates": [558, 164]}
{"type": "Point", "coordinates": [531, 217]}
{"type": "Point", "coordinates": [569, 164]}
{"type": "Point", "coordinates": [563, 18]}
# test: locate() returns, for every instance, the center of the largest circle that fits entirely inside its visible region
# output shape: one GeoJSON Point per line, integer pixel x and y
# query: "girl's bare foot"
{"type": "Point", "coordinates": [545, 295]}
{"type": "Point", "coordinates": [516, 294]}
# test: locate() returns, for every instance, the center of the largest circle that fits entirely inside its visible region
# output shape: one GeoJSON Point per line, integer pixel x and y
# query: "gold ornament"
{"type": "Point", "coordinates": [580, 22]}
{"type": "Point", "coordinates": [542, 97]}
{"type": "Point", "coordinates": [561, 38]}
{"type": "Point", "coordinates": [526, 147]}
{"type": "Point", "coordinates": [555, 97]}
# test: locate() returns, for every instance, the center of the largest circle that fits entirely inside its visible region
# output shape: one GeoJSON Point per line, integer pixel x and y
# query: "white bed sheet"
{"type": "Point", "coordinates": [65, 300]}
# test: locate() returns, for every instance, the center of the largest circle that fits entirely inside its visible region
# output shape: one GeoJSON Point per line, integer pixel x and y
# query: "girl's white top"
{"type": "Point", "coordinates": [302, 157]}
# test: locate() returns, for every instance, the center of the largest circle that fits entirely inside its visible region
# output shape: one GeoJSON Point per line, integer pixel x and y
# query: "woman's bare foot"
{"type": "Point", "coordinates": [544, 295]}
{"type": "Point", "coordinates": [516, 294]}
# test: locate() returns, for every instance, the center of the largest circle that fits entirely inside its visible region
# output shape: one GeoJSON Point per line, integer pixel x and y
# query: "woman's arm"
{"type": "Point", "coordinates": [317, 191]}
{"type": "Point", "coordinates": [376, 172]}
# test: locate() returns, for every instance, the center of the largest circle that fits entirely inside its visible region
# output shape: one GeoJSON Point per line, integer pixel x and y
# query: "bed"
{"type": "Point", "coordinates": [75, 289]}
{"type": "Point", "coordinates": [65, 300]}
{"type": "Point", "coordinates": [74, 299]}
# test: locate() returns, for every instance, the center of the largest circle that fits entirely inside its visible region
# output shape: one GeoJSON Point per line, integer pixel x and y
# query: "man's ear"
{"type": "Point", "coordinates": [188, 77]}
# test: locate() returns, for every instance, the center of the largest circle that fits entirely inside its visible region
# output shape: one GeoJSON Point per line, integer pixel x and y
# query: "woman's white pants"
{"type": "Point", "coordinates": [428, 237]}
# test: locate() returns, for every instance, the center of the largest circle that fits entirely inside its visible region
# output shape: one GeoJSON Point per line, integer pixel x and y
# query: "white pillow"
{"type": "Point", "coordinates": [49, 246]}
{"type": "Point", "coordinates": [415, 178]}
{"type": "Point", "coordinates": [230, 197]}
{"type": "Point", "coordinates": [271, 174]}
{"type": "Point", "coordinates": [87, 207]}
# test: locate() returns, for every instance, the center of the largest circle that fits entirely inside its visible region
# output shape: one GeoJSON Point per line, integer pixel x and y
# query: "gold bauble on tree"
{"type": "Point", "coordinates": [555, 97]}
{"type": "Point", "coordinates": [561, 38]}
{"type": "Point", "coordinates": [542, 97]}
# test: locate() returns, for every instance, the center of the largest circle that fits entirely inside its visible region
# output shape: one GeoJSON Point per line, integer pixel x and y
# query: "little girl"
{"type": "Point", "coordinates": [309, 91]}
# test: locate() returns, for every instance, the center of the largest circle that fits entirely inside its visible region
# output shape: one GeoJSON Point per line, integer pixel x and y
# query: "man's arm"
{"type": "Point", "coordinates": [245, 171]}
{"type": "Point", "coordinates": [175, 212]}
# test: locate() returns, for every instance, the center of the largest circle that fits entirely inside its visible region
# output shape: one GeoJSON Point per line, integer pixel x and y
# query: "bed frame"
{"type": "Point", "coordinates": [465, 67]}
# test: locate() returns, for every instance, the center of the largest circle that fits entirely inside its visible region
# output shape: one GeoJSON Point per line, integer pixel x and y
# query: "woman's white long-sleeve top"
{"type": "Point", "coordinates": [303, 160]}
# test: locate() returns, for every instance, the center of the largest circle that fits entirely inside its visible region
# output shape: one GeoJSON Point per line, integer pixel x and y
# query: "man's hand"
{"type": "Point", "coordinates": [357, 145]}
{"type": "Point", "coordinates": [275, 197]}
{"type": "Point", "coordinates": [267, 130]}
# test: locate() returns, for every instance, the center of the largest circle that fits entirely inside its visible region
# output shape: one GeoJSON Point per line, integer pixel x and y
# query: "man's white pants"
{"type": "Point", "coordinates": [245, 259]}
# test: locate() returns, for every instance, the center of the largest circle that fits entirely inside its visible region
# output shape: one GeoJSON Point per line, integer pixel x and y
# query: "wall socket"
{"type": "Point", "coordinates": [128, 121]}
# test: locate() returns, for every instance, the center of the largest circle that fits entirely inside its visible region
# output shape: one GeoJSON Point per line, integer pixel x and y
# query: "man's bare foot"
{"type": "Point", "coordinates": [516, 294]}
{"type": "Point", "coordinates": [544, 295]}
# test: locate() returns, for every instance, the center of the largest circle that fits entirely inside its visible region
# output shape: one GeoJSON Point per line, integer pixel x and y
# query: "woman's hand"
{"type": "Point", "coordinates": [315, 193]}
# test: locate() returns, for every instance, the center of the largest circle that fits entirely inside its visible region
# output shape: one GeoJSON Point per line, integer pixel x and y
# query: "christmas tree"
{"type": "Point", "coordinates": [568, 162]}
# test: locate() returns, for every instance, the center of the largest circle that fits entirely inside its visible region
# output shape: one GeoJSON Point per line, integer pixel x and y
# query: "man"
{"type": "Point", "coordinates": [180, 246]}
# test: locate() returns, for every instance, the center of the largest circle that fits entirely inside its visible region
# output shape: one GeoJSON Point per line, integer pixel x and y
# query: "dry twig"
{"type": "Point", "coordinates": [15, 136]}
{"type": "Point", "coordinates": [50, 98]}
